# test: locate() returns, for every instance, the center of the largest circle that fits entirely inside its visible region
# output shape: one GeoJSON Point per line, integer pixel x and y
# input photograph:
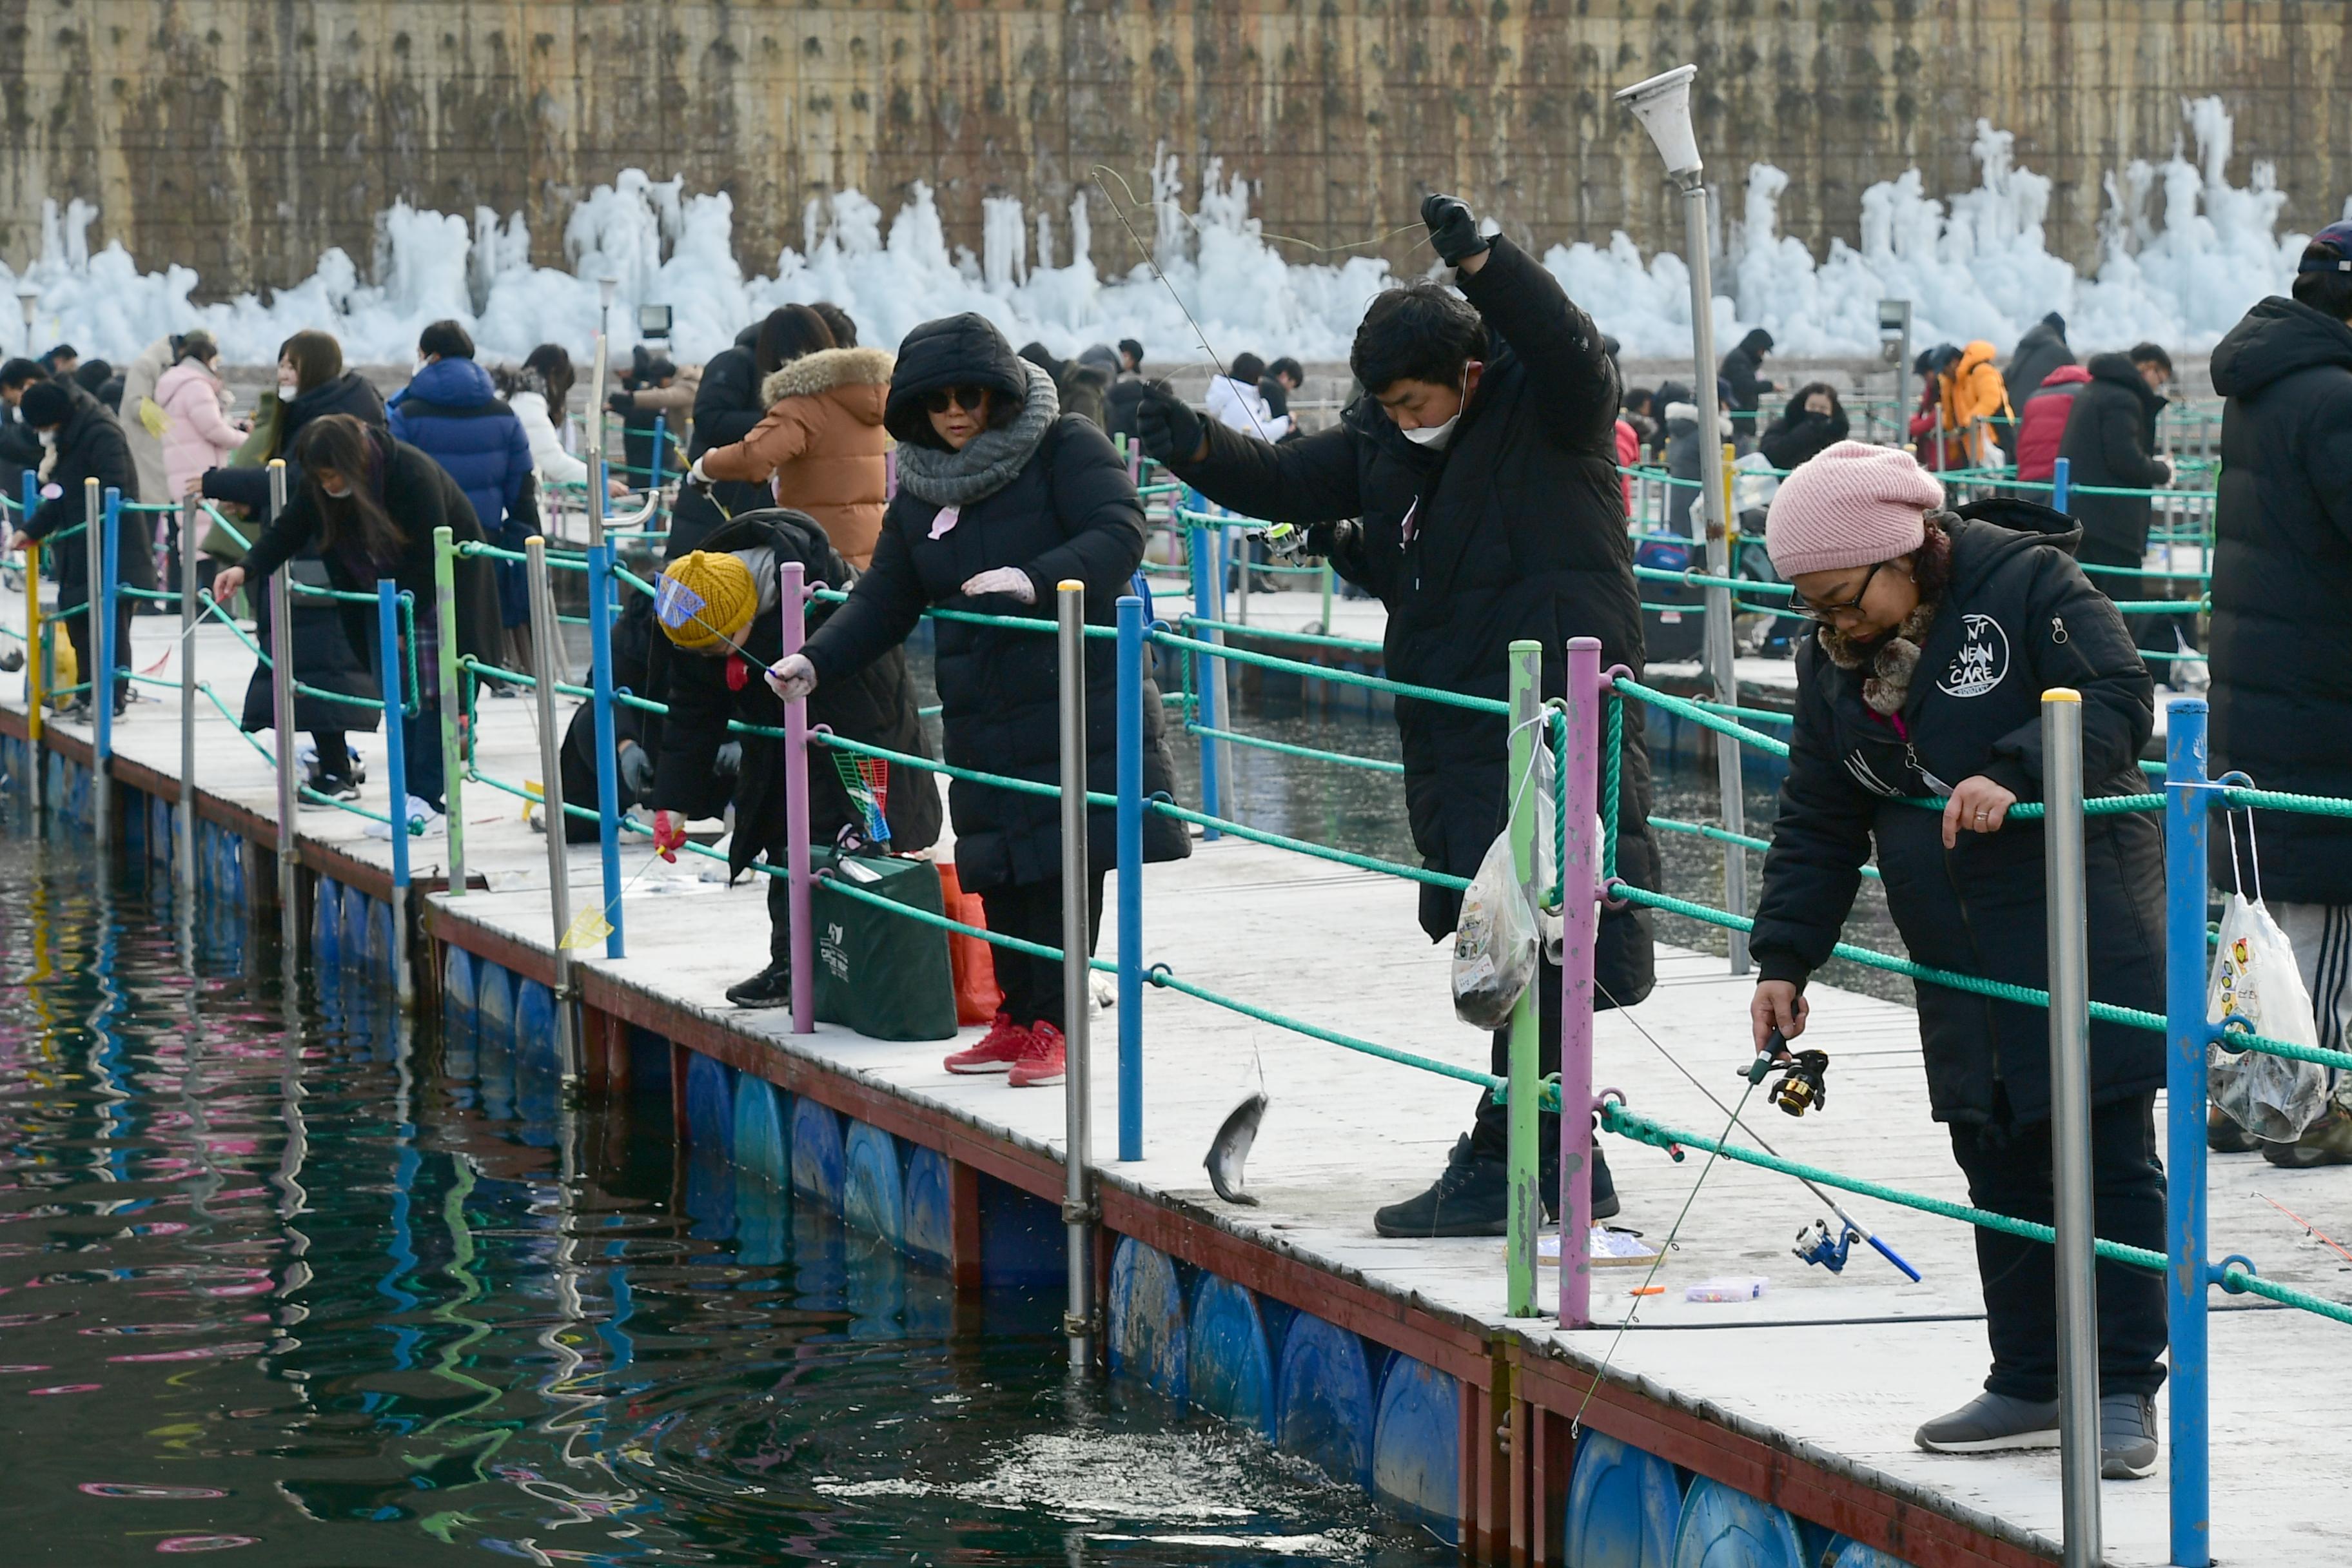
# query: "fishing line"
{"type": "Point", "coordinates": [1216, 365]}
{"type": "Point", "coordinates": [1285, 238]}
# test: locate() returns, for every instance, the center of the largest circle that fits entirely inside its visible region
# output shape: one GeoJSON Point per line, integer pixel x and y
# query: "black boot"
{"type": "Point", "coordinates": [772, 987]}
{"type": "Point", "coordinates": [1466, 1199]}
{"type": "Point", "coordinates": [1604, 1189]}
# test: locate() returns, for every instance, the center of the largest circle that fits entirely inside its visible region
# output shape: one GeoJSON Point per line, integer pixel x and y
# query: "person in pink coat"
{"type": "Point", "coordinates": [197, 434]}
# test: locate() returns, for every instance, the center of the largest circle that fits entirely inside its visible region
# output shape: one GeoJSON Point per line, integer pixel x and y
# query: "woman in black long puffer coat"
{"type": "Point", "coordinates": [1001, 495]}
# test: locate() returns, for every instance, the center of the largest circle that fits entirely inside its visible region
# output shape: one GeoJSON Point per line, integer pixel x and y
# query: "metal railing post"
{"type": "Point", "coordinates": [1130, 877]}
{"type": "Point", "coordinates": [97, 680]}
{"type": "Point", "coordinates": [1579, 881]}
{"type": "Point", "coordinates": [1716, 502]}
{"type": "Point", "coordinates": [281, 717]}
{"type": "Point", "coordinates": [1077, 976]}
{"type": "Point", "coordinates": [453, 709]}
{"type": "Point", "coordinates": [608, 763]}
{"type": "Point", "coordinates": [792, 607]}
{"type": "Point", "coordinates": [395, 768]}
{"type": "Point", "coordinates": [2070, 1124]}
{"type": "Point", "coordinates": [1208, 670]}
{"type": "Point", "coordinates": [183, 862]}
{"type": "Point", "coordinates": [2186, 1030]}
{"type": "Point", "coordinates": [37, 653]}
{"type": "Point", "coordinates": [661, 435]}
{"type": "Point", "coordinates": [544, 627]}
{"type": "Point", "coordinates": [1523, 1215]}
{"type": "Point", "coordinates": [2062, 482]}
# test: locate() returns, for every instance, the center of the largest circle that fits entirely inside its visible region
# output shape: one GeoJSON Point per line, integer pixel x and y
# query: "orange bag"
{"type": "Point", "coordinates": [972, 961]}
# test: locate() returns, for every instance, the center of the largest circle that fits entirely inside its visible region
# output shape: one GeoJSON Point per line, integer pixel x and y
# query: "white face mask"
{"type": "Point", "coordinates": [48, 438]}
{"type": "Point", "coordinates": [289, 388]}
{"type": "Point", "coordinates": [1437, 436]}
{"type": "Point", "coordinates": [343, 494]}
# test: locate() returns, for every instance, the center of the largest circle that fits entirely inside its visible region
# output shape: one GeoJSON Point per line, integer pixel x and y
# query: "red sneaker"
{"type": "Point", "coordinates": [1041, 1064]}
{"type": "Point", "coordinates": [1006, 1043]}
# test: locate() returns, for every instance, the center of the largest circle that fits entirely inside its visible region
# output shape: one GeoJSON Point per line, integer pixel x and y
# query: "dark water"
{"type": "Point", "coordinates": [273, 1285]}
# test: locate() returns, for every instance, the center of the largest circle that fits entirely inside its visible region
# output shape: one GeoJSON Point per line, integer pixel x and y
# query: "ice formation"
{"type": "Point", "coordinates": [2182, 253]}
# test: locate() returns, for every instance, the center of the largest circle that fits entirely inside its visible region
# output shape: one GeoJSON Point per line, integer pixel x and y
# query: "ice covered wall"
{"type": "Point", "coordinates": [2185, 251]}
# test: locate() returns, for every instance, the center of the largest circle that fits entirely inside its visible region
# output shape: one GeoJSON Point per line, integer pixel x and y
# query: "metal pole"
{"type": "Point", "coordinates": [1523, 1216]}
{"type": "Point", "coordinates": [36, 664]}
{"type": "Point", "coordinates": [2062, 480]}
{"type": "Point", "coordinates": [281, 716]}
{"type": "Point", "coordinates": [97, 512]}
{"type": "Point", "coordinates": [793, 608]}
{"type": "Point", "coordinates": [661, 434]}
{"type": "Point", "coordinates": [183, 863]}
{"type": "Point", "coordinates": [453, 753]}
{"type": "Point", "coordinates": [1237, 544]}
{"type": "Point", "coordinates": [2070, 1124]}
{"type": "Point", "coordinates": [1130, 877]}
{"type": "Point", "coordinates": [1078, 980]}
{"type": "Point", "coordinates": [395, 767]}
{"type": "Point", "coordinates": [2186, 1030]}
{"type": "Point", "coordinates": [1717, 502]}
{"type": "Point", "coordinates": [1580, 880]}
{"type": "Point", "coordinates": [1208, 679]}
{"type": "Point", "coordinates": [608, 762]}
{"type": "Point", "coordinates": [550, 795]}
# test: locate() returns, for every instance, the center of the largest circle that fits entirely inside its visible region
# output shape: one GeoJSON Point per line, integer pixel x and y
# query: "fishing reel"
{"type": "Point", "coordinates": [1804, 1083]}
{"type": "Point", "coordinates": [1817, 1244]}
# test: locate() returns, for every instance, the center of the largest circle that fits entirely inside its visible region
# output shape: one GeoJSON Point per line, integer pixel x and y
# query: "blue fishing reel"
{"type": "Point", "coordinates": [1819, 1246]}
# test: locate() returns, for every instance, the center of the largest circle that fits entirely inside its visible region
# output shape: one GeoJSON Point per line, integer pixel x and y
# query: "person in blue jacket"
{"type": "Point", "coordinates": [450, 410]}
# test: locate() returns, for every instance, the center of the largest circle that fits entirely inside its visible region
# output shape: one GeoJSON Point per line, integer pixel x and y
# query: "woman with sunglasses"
{"type": "Point", "coordinates": [1000, 497]}
{"type": "Point", "coordinates": [1936, 635]}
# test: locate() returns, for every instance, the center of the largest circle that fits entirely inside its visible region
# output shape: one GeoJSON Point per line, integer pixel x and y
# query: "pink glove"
{"type": "Point", "coordinates": [669, 834]}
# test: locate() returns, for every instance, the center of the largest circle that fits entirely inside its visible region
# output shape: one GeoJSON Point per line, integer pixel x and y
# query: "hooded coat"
{"type": "Point", "coordinates": [1685, 450]}
{"type": "Point", "coordinates": [91, 445]}
{"type": "Point", "coordinates": [1069, 511]}
{"type": "Point", "coordinates": [1969, 397]}
{"type": "Point", "coordinates": [1515, 528]}
{"type": "Point", "coordinates": [2110, 440]}
{"type": "Point", "coordinates": [1742, 375]}
{"type": "Point", "coordinates": [349, 392]}
{"type": "Point", "coordinates": [2042, 429]}
{"type": "Point", "coordinates": [822, 445]}
{"type": "Point", "coordinates": [148, 440]}
{"type": "Point", "coordinates": [197, 434]}
{"type": "Point", "coordinates": [2042, 350]}
{"type": "Point", "coordinates": [450, 411]}
{"type": "Point", "coordinates": [1797, 435]}
{"type": "Point", "coordinates": [2280, 648]}
{"type": "Point", "coordinates": [727, 407]}
{"type": "Point", "coordinates": [876, 705]}
{"type": "Point", "coordinates": [2018, 617]}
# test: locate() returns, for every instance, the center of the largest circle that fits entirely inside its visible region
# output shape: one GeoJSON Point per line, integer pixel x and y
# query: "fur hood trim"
{"type": "Point", "coordinates": [825, 370]}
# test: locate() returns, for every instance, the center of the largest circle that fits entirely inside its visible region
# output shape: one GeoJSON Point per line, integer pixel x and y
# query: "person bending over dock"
{"type": "Point", "coordinates": [1938, 635]}
{"type": "Point", "coordinates": [1474, 489]}
{"type": "Point", "coordinates": [1000, 497]}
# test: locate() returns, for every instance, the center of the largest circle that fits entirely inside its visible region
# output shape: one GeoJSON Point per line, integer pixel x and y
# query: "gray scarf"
{"type": "Point", "coordinates": [988, 461]}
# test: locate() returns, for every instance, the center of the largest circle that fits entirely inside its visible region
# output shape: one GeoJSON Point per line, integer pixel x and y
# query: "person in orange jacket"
{"type": "Point", "coordinates": [1970, 396]}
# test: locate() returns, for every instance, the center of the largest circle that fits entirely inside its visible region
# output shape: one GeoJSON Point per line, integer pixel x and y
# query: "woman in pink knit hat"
{"type": "Point", "coordinates": [1918, 726]}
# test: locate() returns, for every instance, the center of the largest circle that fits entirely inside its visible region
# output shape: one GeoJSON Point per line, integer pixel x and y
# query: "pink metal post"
{"type": "Point", "coordinates": [1579, 877]}
{"type": "Point", "coordinates": [796, 816]}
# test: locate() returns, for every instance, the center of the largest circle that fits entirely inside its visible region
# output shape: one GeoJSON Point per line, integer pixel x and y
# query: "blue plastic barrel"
{"type": "Point", "coordinates": [1723, 1527]}
{"type": "Point", "coordinates": [1148, 1339]}
{"type": "Point", "coordinates": [1624, 1504]}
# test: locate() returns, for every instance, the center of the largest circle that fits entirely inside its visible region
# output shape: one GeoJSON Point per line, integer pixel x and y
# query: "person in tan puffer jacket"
{"type": "Point", "coordinates": [821, 445]}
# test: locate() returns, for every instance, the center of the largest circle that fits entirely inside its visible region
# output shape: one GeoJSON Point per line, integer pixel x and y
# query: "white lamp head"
{"type": "Point", "coordinates": [1663, 106]}
{"type": "Point", "coordinates": [28, 298]}
{"type": "Point", "coordinates": [605, 288]}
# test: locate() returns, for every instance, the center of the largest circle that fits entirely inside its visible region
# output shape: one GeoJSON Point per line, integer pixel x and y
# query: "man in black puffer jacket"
{"type": "Point", "coordinates": [1746, 385]}
{"type": "Point", "coordinates": [1482, 468]}
{"type": "Point", "coordinates": [2282, 645]}
{"type": "Point", "coordinates": [2110, 442]}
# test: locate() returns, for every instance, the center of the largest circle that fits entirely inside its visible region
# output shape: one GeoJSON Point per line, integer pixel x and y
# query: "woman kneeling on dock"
{"type": "Point", "coordinates": [1001, 495]}
{"type": "Point", "coordinates": [1938, 634]}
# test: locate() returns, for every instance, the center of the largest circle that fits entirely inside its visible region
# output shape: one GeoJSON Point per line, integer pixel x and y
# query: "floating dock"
{"type": "Point", "coordinates": [1772, 1432]}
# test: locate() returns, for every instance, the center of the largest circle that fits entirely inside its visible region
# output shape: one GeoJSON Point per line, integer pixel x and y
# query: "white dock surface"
{"type": "Point", "coordinates": [1816, 1359]}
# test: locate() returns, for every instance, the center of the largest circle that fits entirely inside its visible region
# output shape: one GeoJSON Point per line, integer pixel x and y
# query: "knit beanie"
{"type": "Point", "coordinates": [45, 404]}
{"type": "Point", "coordinates": [706, 599]}
{"type": "Point", "coordinates": [1852, 505]}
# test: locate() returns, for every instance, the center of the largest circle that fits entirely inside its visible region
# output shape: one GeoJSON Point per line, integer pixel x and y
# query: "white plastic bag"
{"type": "Point", "coordinates": [1495, 943]}
{"type": "Point", "coordinates": [1753, 484]}
{"type": "Point", "coordinates": [2255, 981]}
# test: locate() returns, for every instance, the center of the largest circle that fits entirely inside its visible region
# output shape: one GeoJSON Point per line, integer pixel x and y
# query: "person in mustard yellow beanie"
{"type": "Point", "coordinates": [719, 610]}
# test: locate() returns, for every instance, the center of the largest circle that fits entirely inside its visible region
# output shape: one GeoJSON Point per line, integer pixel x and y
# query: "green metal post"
{"type": "Point", "coordinates": [1525, 1216]}
{"type": "Point", "coordinates": [1327, 599]}
{"type": "Point", "coordinates": [453, 754]}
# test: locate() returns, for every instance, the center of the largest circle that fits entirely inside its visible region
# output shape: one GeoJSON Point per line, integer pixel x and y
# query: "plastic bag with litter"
{"type": "Point", "coordinates": [2254, 981]}
{"type": "Point", "coordinates": [1506, 924]}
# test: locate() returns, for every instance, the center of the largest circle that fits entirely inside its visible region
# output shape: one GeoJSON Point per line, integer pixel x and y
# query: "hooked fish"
{"type": "Point", "coordinates": [1229, 1150]}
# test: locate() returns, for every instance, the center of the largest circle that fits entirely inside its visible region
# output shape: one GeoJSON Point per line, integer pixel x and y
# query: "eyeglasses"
{"type": "Point", "coordinates": [969, 398]}
{"type": "Point", "coordinates": [1798, 606]}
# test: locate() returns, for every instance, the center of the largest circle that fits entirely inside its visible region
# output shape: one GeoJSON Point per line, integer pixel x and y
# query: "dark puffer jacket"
{"type": "Point", "coordinates": [876, 705]}
{"type": "Point", "coordinates": [452, 412]}
{"type": "Point", "coordinates": [349, 392]}
{"type": "Point", "coordinates": [2018, 617]}
{"type": "Point", "coordinates": [2043, 348]}
{"type": "Point", "coordinates": [1071, 511]}
{"type": "Point", "coordinates": [727, 407]}
{"type": "Point", "coordinates": [1519, 531]}
{"type": "Point", "coordinates": [2281, 641]}
{"type": "Point", "coordinates": [91, 445]}
{"type": "Point", "coordinates": [1744, 382]}
{"type": "Point", "coordinates": [1798, 435]}
{"type": "Point", "coordinates": [2110, 441]}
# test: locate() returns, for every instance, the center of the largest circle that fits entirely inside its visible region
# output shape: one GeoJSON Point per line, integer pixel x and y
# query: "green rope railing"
{"type": "Point", "coordinates": [1284, 748]}
{"type": "Point", "coordinates": [1340, 677]}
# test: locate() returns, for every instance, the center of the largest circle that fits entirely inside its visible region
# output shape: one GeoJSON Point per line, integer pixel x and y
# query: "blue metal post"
{"type": "Point", "coordinates": [2187, 1031]}
{"type": "Point", "coordinates": [2061, 484]}
{"type": "Point", "coordinates": [1130, 877]}
{"type": "Point", "coordinates": [29, 499]}
{"type": "Point", "coordinates": [1206, 671]}
{"type": "Point", "coordinates": [395, 766]}
{"type": "Point", "coordinates": [101, 679]}
{"type": "Point", "coordinates": [608, 762]}
{"type": "Point", "coordinates": [661, 434]}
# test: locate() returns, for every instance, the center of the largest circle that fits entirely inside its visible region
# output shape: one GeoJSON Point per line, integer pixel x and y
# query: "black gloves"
{"type": "Point", "coordinates": [623, 404]}
{"type": "Point", "coordinates": [1453, 229]}
{"type": "Point", "coordinates": [1170, 432]}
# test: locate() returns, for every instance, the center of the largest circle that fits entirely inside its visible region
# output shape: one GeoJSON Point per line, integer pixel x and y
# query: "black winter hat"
{"type": "Point", "coordinates": [46, 403]}
{"type": "Point", "coordinates": [2055, 322]}
{"type": "Point", "coordinates": [955, 351]}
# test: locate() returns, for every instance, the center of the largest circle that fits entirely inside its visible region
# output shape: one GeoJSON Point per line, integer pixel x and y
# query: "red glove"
{"type": "Point", "coordinates": [669, 834]}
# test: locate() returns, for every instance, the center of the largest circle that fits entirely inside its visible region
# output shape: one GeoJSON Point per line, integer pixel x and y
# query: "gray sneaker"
{"type": "Point", "coordinates": [1991, 1422]}
{"type": "Point", "coordinates": [2126, 1437]}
